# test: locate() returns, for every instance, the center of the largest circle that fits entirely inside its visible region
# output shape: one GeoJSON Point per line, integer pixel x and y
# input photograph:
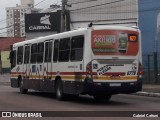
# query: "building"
{"type": "Point", "coordinates": [42, 24]}
{"type": "Point", "coordinates": [148, 16]}
{"type": "Point", "coordinates": [29, 3]}
{"type": "Point", "coordinates": [49, 19]}
{"type": "Point", "coordinates": [52, 8]}
{"type": "Point", "coordinates": [15, 18]}
{"type": "Point", "coordinates": [5, 43]}
{"type": "Point", "coordinates": [102, 12]}
{"type": "Point", "coordinates": [149, 24]}
{"type": "Point", "coordinates": [5, 62]}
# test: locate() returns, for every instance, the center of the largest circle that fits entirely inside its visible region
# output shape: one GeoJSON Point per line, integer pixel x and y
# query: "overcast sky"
{"type": "Point", "coordinates": [12, 3]}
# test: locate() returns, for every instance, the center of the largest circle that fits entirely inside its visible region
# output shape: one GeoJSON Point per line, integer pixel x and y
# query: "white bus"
{"type": "Point", "coordinates": [100, 61]}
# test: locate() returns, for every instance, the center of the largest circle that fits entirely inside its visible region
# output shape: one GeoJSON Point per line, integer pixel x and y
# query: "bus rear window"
{"type": "Point", "coordinates": [115, 42]}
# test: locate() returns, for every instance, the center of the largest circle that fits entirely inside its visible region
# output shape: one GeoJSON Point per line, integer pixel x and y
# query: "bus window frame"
{"type": "Point", "coordinates": [40, 53]}
{"type": "Point", "coordinates": [75, 48]}
{"type": "Point", "coordinates": [63, 50]}
{"type": "Point", "coordinates": [56, 55]}
{"type": "Point", "coordinates": [33, 54]}
{"type": "Point", "coordinates": [20, 55]}
{"type": "Point", "coordinates": [28, 54]}
{"type": "Point", "coordinates": [13, 58]}
{"type": "Point", "coordinates": [48, 51]}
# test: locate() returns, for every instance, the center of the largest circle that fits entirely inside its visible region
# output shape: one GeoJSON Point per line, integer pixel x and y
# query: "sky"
{"type": "Point", "coordinates": [12, 3]}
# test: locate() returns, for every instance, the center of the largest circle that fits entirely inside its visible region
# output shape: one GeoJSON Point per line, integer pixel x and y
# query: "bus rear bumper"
{"type": "Point", "coordinates": [111, 88]}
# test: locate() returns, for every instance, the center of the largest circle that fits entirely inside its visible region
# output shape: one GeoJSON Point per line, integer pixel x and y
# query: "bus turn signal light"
{"type": "Point", "coordinates": [132, 38]}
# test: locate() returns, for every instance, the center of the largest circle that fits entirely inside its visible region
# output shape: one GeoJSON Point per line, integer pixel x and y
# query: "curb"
{"type": "Point", "coordinates": [150, 94]}
{"type": "Point", "coordinates": [5, 83]}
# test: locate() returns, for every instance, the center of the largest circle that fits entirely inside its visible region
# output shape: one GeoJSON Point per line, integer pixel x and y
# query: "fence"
{"type": "Point", "coordinates": [151, 69]}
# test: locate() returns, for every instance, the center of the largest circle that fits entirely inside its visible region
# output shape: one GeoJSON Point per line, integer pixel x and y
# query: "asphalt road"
{"type": "Point", "coordinates": [12, 100]}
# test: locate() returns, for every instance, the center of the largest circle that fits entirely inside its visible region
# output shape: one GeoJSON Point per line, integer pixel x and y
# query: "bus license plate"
{"type": "Point", "coordinates": [115, 84]}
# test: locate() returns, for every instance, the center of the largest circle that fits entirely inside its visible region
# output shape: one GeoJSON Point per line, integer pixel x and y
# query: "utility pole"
{"type": "Point", "coordinates": [63, 16]}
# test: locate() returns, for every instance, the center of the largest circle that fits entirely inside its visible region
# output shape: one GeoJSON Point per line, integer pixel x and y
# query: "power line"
{"type": "Point", "coordinates": [28, 9]}
{"type": "Point", "coordinates": [21, 26]}
{"type": "Point", "coordinates": [2, 33]}
{"type": "Point", "coordinates": [133, 11]}
{"type": "Point", "coordinates": [40, 2]}
{"type": "Point", "coordinates": [84, 1]}
{"type": "Point", "coordinates": [3, 20]}
{"type": "Point", "coordinates": [116, 6]}
{"type": "Point", "coordinates": [47, 3]}
{"type": "Point", "coordinates": [47, 6]}
{"type": "Point", "coordinates": [97, 5]}
{"type": "Point", "coordinates": [144, 2]}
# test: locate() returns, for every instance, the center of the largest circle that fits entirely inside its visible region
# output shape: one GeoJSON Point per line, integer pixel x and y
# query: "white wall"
{"type": "Point", "coordinates": [103, 12]}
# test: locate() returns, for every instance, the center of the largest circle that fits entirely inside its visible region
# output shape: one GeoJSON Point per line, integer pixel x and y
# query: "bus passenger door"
{"type": "Point", "coordinates": [47, 73]}
{"type": "Point", "coordinates": [26, 65]}
{"type": "Point", "coordinates": [40, 60]}
{"type": "Point", "coordinates": [34, 81]}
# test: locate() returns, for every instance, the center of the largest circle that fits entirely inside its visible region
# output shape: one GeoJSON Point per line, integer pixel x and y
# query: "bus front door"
{"type": "Point", "coordinates": [26, 65]}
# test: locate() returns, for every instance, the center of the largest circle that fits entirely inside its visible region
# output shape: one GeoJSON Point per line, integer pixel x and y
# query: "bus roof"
{"type": "Point", "coordinates": [80, 31]}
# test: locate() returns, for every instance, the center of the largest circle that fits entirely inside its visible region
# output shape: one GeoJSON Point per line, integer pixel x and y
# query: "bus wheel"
{"type": "Point", "coordinates": [59, 90]}
{"type": "Point", "coordinates": [99, 97]}
{"type": "Point", "coordinates": [21, 85]}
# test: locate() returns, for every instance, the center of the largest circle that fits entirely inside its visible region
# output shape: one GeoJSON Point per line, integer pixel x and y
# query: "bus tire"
{"type": "Point", "coordinates": [59, 90]}
{"type": "Point", "coordinates": [99, 97]}
{"type": "Point", "coordinates": [21, 87]}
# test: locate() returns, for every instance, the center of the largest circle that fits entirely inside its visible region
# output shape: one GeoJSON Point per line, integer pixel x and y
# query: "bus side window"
{"type": "Point", "coordinates": [13, 58]}
{"type": "Point", "coordinates": [20, 55]}
{"type": "Point", "coordinates": [77, 48]}
{"type": "Point", "coordinates": [48, 51]}
{"type": "Point", "coordinates": [40, 52]}
{"type": "Point", "coordinates": [55, 55]}
{"type": "Point", "coordinates": [26, 54]}
{"type": "Point", "coordinates": [64, 50]}
{"type": "Point", "coordinates": [33, 53]}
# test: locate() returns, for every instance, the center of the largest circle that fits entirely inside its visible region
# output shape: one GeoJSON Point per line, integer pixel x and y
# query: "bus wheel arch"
{"type": "Point", "coordinates": [21, 85]}
{"type": "Point", "coordinates": [57, 78]}
{"type": "Point", "coordinates": [19, 80]}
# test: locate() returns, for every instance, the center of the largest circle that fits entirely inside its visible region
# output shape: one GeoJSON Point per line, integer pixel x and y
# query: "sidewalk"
{"type": "Point", "coordinates": [5, 79]}
{"type": "Point", "coordinates": [147, 89]}
{"type": "Point", "coordinates": [151, 90]}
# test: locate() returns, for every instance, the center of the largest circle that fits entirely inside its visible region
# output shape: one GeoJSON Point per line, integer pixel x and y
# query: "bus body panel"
{"type": "Point", "coordinates": [110, 65]}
